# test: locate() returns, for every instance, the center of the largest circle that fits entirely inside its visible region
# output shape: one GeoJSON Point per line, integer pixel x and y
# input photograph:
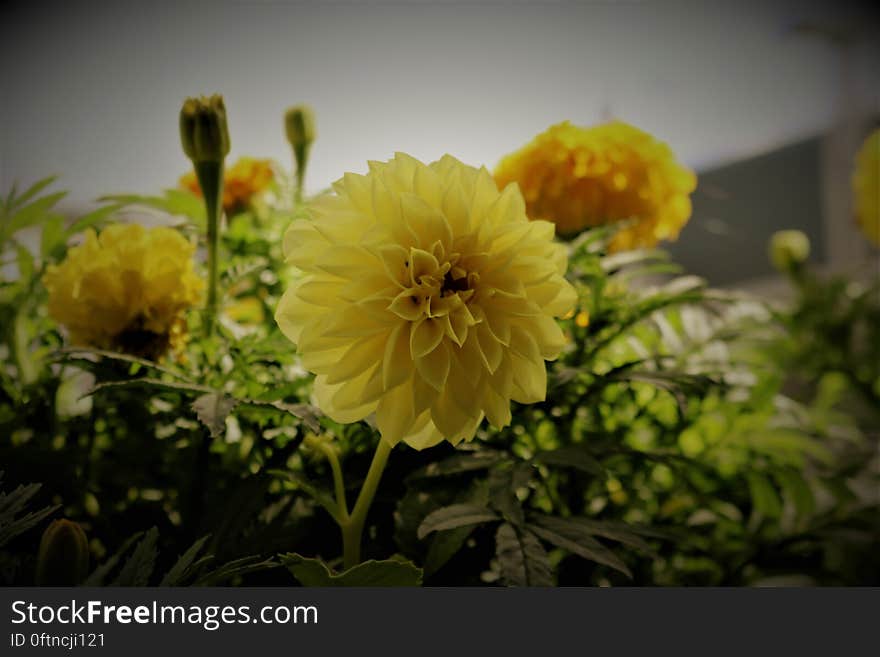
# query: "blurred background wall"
{"type": "Point", "coordinates": [766, 100]}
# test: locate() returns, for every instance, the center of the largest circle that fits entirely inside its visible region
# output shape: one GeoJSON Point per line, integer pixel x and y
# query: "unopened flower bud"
{"type": "Point", "coordinates": [203, 131]}
{"type": "Point", "coordinates": [789, 249]}
{"type": "Point", "coordinates": [63, 559]}
{"type": "Point", "coordinates": [299, 124]}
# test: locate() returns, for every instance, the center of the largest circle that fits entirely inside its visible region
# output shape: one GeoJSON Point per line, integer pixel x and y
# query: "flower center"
{"type": "Point", "coordinates": [455, 280]}
{"type": "Point", "coordinates": [138, 341]}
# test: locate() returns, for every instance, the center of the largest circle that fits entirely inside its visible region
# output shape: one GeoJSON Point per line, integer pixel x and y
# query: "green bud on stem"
{"type": "Point", "coordinates": [789, 249]}
{"type": "Point", "coordinates": [299, 124]}
{"type": "Point", "coordinates": [63, 559]}
{"type": "Point", "coordinates": [203, 130]}
{"type": "Point", "coordinates": [205, 139]}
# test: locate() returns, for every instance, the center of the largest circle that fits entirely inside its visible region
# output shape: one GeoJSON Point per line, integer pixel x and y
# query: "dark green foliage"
{"type": "Point", "coordinates": [689, 437]}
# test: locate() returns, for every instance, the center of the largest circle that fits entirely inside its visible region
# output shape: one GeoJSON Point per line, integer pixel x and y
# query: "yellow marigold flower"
{"type": "Point", "coordinates": [241, 182]}
{"type": "Point", "coordinates": [580, 178]}
{"type": "Point", "coordinates": [866, 187]}
{"type": "Point", "coordinates": [247, 310]}
{"type": "Point", "coordinates": [126, 289]}
{"type": "Point", "coordinates": [428, 298]}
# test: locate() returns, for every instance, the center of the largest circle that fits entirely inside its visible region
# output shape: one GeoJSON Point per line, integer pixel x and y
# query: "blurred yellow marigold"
{"type": "Point", "coordinates": [126, 289]}
{"type": "Point", "coordinates": [580, 178]}
{"type": "Point", "coordinates": [241, 182]}
{"type": "Point", "coordinates": [866, 187]}
{"type": "Point", "coordinates": [429, 299]}
{"type": "Point", "coordinates": [246, 310]}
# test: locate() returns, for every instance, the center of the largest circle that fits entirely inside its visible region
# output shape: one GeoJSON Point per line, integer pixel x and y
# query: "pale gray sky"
{"type": "Point", "coordinates": [91, 90]}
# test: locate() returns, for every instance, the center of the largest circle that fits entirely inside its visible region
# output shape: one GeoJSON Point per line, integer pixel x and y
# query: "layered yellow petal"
{"type": "Point", "coordinates": [126, 289]}
{"type": "Point", "coordinates": [429, 299]}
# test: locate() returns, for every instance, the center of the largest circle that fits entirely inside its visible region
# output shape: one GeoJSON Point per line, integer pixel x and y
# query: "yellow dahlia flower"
{"type": "Point", "coordinates": [241, 182]}
{"type": "Point", "coordinates": [428, 300]}
{"type": "Point", "coordinates": [126, 289]}
{"type": "Point", "coordinates": [579, 178]}
{"type": "Point", "coordinates": [866, 187]}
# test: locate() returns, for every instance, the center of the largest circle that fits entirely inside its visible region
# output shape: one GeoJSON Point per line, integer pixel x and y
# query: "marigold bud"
{"type": "Point", "coordinates": [299, 123]}
{"type": "Point", "coordinates": [203, 131]}
{"type": "Point", "coordinates": [63, 559]}
{"type": "Point", "coordinates": [789, 249]}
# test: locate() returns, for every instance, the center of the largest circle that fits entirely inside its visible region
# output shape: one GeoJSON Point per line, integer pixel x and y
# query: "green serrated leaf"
{"type": "Point", "coordinates": [137, 569]}
{"type": "Point", "coordinates": [235, 568]}
{"type": "Point", "coordinates": [88, 356]}
{"type": "Point", "coordinates": [13, 503]}
{"type": "Point", "coordinates": [578, 457]}
{"type": "Point", "coordinates": [212, 410]}
{"type": "Point", "coordinates": [576, 539]}
{"type": "Point", "coordinates": [183, 567]}
{"type": "Point", "coordinates": [503, 484]}
{"type": "Point", "coordinates": [310, 415]}
{"type": "Point", "coordinates": [523, 560]}
{"type": "Point", "coordinates": [99, 575]}
{"type": "Point", "coordinates": [458, 464]}
{"type": "Point", "coordinates": [455, 515]}
{"type": "Point", "coordinates": [445, 545]}
{"type": "Point", "coordinates": [391, 572]}
{"type": "Point", "coordinates": [147, 382]}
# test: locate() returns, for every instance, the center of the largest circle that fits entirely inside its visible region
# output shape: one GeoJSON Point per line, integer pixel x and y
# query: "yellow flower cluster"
{"type": "Point", "coordinates": [126, 289]}
{"type": "Point", "coordinates": [866, 187]}
{"type": "Point", "coordinates": [580, 178]}
{"type": "Point", "coordinates": [429, 299]}
{"type": "Point", "coordinates": [241, 182]}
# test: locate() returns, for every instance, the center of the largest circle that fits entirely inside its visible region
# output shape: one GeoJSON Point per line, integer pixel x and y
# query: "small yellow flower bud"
{"type": "Point", "coordinates": [63, 559]}
{"type": "Point", "coordinates": [582, 319]}
{"type": "Point", "coordinates": [299, 122]}
{"type": "Point", "coordinates": [789, 249]}
{"type": "Point", "coordinates": [203, 130]}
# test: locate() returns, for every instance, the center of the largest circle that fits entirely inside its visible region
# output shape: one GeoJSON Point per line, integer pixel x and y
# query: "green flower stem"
{"type": "Point", "coordinates": [301, 158]}
{"type": "Point", "coordinates": [210, 175]}
{"type": "Point", "coordinates": [27, 369]}
{"type": "Point", "coordinates": [338, 485]}
{"type": "Point", "coordinates": [353, 527]}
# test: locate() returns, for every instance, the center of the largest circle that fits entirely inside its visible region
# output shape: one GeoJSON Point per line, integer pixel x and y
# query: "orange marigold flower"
{"type": "Point", "coordinates": [580, 178]}
{"type": "Point", "coordinates": [866, 187]}
{"type": "Point", "coordinates": [241, 182]}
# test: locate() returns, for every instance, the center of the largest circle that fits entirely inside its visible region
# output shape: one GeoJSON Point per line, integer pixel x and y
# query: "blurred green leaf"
{"type": "Point", "coordinates": [764, 497]}
{"type": "Point", "coordinates": [186, 564]}
{"type": "Point", "coordinates": [137, 569]}
{"type": "Point", "coordinates": [314, 572]}
{"type": "Point", "coordinates": [578, 457]}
